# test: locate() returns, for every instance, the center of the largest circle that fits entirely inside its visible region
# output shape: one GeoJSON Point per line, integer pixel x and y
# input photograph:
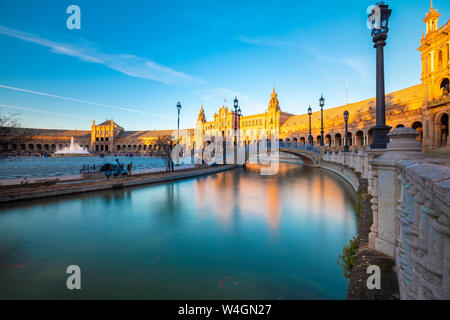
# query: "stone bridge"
{"type": "Point", "coordinates": [309, 154]}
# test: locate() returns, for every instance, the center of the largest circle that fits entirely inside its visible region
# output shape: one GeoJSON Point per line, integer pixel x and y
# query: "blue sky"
{"type": "Point", "coordinates": [134, 60]}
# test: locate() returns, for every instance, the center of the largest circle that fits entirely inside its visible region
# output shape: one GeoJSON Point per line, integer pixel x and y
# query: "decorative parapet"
{"type": "Point", "coordinates": [386, 188]}
{"type": "Point", "coordinates": [411, 212]}
{"type": "Point", "coordinates": [357, 160]}
{"type": "Point", "coordinates": [423, 245]}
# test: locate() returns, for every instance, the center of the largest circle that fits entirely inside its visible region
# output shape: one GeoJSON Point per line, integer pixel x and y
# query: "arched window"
{"type": "Point", "coordinates": [418, 127]}
{"type": "Point", "coordinates": [445, 86]}
{"type": "Point", "coordinates": [440, 59]}
{"type": "Point", "coordinates": [444, 129]}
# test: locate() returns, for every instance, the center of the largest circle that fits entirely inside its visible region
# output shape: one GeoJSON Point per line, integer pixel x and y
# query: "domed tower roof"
{"type": "Point", "coordinates": [274, 104]}
{"type": "Point", "coordinates": [201, 115]}
{"type": "Point", "coordinates": [431, 19]}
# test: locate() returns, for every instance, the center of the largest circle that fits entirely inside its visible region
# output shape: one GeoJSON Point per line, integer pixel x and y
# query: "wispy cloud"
{"type": "Point", "coordinates": [266, 42]}
{"type": "Point", "coordinates": [128, 64]}
{"type": "Point", "coordinates": [360, 65]}
{"type": "Point", "coordinates": [85, 102]}
{"type": "Point", "coordinates": [64, 115]}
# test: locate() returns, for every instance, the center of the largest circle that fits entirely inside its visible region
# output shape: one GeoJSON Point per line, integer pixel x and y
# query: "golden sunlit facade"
{"type": "Point", "coordinates": [251, 127]}
{"type": "Point", "coordinates": [424, 107]}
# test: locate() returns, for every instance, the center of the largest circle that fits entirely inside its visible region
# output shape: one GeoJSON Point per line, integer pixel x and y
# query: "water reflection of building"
{"type": "Point", "coordinates": [273, 204]}
{"type": "Point", "coordinates": [424, 107]}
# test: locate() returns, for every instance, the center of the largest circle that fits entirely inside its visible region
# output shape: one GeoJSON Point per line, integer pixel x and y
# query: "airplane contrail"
{"type": "Point", "coordinates": [52, 113]}
{"type": "Point", "coordinates": [43, 111]}
{"type": "Point", "coordinates": [86, 102]}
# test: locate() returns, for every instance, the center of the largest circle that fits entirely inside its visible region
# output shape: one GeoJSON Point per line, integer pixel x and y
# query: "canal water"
{"type": "Point", "coordinates": [232, 235]}
{"type": "Point", "coordinates": [33, 167]}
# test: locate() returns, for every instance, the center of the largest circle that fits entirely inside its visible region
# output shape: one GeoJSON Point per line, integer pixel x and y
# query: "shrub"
{"type": "Point", "coordinates": [347, 259]}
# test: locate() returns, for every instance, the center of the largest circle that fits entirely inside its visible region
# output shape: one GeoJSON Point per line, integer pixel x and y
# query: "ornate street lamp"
{"type": "Point", "coordinates": [322, 104]}
{"type": "Point", "coordinates": [178, 128]}
{"type": "Point", "coordinates": [236, 115]}
{"type": "Point", "coordinates": [310, 138]}
{"type": "Point", "coordinates": [380, 15]}
{"type": "Point", "coordinates": [346, 116]}
{"type": "Point", "coordinates": [239, 113]}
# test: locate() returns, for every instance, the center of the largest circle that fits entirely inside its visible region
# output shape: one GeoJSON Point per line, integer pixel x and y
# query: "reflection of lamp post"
{"type": "Point", "coordinates": [178, 128]}
{"type": "Point", "coordinates": [379, 35]}
{"type": "Point", "coordinates": [346, 115]}
{"type": "Point", "coordinates": [310, 138]}
{"type": "Point", "coordinates": [322, 103]}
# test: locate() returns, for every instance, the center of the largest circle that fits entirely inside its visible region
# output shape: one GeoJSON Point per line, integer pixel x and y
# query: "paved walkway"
{"type": "Point", "coordinates": [365, 257]}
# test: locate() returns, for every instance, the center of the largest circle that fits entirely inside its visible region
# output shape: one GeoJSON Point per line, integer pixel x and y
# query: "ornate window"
{"type": "Point", "coordinates": [445, 86]}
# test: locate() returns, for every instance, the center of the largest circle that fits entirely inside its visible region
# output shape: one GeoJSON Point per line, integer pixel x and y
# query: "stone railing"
{"type": "Point", "coordinates": [423, 242]}
{"type": "Point", "coordinates": [357, 160]}
{"type": "Point", "coordinates": [411, 212]}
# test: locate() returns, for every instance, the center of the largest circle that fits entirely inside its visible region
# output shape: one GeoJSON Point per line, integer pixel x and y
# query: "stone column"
{"type": "Point", "coordinates": [386, 189]}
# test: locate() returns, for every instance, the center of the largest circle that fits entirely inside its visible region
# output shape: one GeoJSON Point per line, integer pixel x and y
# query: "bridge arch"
{"type": "Point", "coordinates": [309, 158]}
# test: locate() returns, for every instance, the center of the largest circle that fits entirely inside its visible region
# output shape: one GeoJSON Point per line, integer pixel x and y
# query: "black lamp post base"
{"type": "Point", "coordinates": [380, 138]}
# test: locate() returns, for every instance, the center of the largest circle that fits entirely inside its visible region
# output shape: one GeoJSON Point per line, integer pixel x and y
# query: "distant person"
{"type": "Point", "coordinates": [129, 168]}
{"type": "Point", "coordinates": [117, 171]}
{"type": "Point", "coordinates": [108, 174]}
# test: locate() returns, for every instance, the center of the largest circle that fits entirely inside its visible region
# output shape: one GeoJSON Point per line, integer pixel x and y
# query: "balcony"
{"type": "Point", "coordinates": [440, 101]}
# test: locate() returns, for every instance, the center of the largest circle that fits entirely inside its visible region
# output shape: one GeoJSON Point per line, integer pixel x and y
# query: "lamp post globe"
{"type": "Point", "coordinates": [380, 27]}
{"type": "Point", "coordinates": [346, 117]}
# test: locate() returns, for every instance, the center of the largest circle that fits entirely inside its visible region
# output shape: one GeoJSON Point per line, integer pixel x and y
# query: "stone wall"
{"type": "Point", "coordinates": [348, 173]}
{"type": "Point", "coordinates": [423, 244]}
{"type": "Point", "coordinates": [410, 198]}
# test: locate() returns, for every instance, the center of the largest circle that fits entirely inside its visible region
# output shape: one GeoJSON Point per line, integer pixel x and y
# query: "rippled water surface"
{"type": "Point", "coordinates": [233, 235]}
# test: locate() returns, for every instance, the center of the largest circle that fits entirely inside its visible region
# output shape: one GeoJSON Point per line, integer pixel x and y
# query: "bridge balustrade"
{"type": "Point", "coordinates": [358, 160]}
{"type": "Point", "coordinates": [300, 146]}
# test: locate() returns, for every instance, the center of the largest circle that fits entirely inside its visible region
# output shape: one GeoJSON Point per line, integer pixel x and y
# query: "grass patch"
{"type": "Point", "coordinates": [347, 259]}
